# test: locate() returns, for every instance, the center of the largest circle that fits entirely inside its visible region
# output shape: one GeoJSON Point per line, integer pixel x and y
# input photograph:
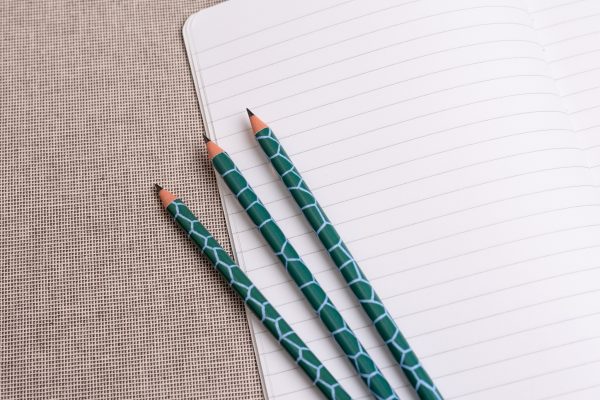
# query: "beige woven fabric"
{"type": "Point", "coordinates": [102, 296]}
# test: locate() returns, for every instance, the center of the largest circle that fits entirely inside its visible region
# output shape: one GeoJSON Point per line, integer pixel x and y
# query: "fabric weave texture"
{"type": "Point", "coordinates": [101, 296]}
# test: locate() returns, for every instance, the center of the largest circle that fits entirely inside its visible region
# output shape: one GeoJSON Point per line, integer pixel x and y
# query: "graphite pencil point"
{"type": "Point", "coordinates": [257, 124]}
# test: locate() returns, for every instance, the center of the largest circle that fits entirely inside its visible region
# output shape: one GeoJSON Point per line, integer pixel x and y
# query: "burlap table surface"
{"type": "Point", "coordinates": [102, 296]}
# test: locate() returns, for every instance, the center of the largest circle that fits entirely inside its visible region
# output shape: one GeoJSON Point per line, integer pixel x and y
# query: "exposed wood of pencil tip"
{"type": "Point", "coordinates": [257, 124]}
{"type": "Point", "coordinates": [165, 196]}
{"type": "Point", "coordinates": [213, 149]}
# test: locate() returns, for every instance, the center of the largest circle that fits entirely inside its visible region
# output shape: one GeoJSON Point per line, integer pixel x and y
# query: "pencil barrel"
{"type": "Point", "coordinates": [348, 267]}
{"type": "Point", "coordinates": [257, 303]}
{"type": "Point", "coordinates": [304, 279]}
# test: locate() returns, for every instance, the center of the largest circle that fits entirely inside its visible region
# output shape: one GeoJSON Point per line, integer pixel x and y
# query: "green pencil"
{"type": "Point", "coordinates": [306, 282]}
{"type": "Point", "coordinates": [253, 298]}
{"type": "Point", "coordinates": [347, 265]}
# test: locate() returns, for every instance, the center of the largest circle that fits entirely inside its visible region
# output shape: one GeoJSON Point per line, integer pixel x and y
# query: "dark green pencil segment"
{"type": "Point", "coordinates": [304, 279]}
{"type": "Point", "coordinates": [347, 265]}
{"type": "Point", "coordinates": [257, 303]}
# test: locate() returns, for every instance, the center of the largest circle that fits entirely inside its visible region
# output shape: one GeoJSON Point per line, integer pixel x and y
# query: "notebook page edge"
{"type": "Point", "coordinates": [237, 256]}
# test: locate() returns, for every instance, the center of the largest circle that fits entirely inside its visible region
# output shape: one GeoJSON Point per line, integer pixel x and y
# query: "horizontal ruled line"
{"type": "Point", "coordinates": [452, 191]}
{"type": "Point", "coordinates": [589, 89]}
{"type": "Point", "coordinates": [275, 25]}
{"type": "Point", "coordinates": [299, 298]}
{"type": "Point", "coordinates": [422, 178]}
{"type": "Point", "coordinates": [559, 78]}
{"type": "Point", "coordinates": [388, 275]}
{"type": "Point", "coordinates": [587, 129]}
{"type": "Point", "coordinates": [500, 361]}
{"type": "Point", "coordinates": [476, 343]}
{"type": "Point", "coordinates": [584, 53]}
{"type": "Point", "coordinates": [458, 256]}
{"type": "Point", "coordinates": [254, 51]}
{"type": "Point", "coordinates": [343, 59]}
{"type": "Point", "coordinates": [414, 118]}
{"type": "Point", "coordinates": [404, 100]}
{"type": "Point", "coordinates": [568, 21]}
{"type": "Point", "coordinates": [558, 6]}
{"type": "Point", "coordinates": [572, 38]}
{"type": "Point", "coordinates": [286, 97]}
{"type": "Point", "coordinates": [570, 392]}
{"type": "Point", "coordinates": [438, 330]}
{"type": "Point", "coordinates": [429, 134]}
{"type": "Point", "coordinates": [403, 162]}
{"type": "Point", "coordinates": [400, 228]}
{"type": "Point", "coordinates": [584, 109]}
{"type": "Point", "coordinates": [527, 378]}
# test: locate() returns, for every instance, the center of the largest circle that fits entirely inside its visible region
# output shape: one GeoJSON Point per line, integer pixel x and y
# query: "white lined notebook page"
{"type": "Point", "coordinates": [435, 137]}
{"type": "Point", "coordinates": [570, 32]}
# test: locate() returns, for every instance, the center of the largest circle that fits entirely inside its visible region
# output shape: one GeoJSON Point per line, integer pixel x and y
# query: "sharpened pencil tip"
{"type": "Point", "coordinates": [213, 149]}
{"type": "Point", "coordinates": [206, 138]}
{"type": "Point", "coordinates": [158, 187]}
{"type": "Point", "coordinates": [165, 196]}
{"type": "Point", "coordinates": [256, 123]}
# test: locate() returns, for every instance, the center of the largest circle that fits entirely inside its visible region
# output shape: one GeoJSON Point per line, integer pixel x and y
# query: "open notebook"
{"type": "Point", "coordinates": [456, 146]}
